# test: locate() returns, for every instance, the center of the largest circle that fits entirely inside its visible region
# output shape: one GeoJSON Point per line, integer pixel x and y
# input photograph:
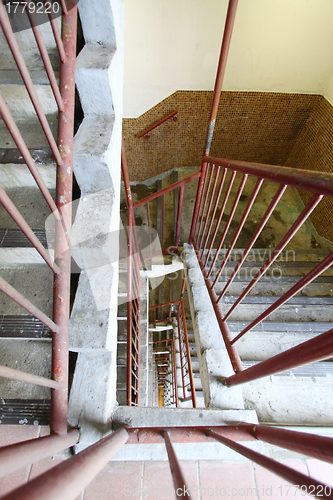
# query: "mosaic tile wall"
{"type": "Point", "coordinates": [274, 128]}
{"type": "Point", "coordinates": [313, 150]}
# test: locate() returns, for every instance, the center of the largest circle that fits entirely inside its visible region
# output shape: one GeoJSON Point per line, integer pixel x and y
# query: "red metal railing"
{"type": "Point", "coordinates": [149, 129]}
{"type": "Point", "coordinates": [69, 478]}
{"type": "Point", "coordinates": [133, 295]}
{"type": "Point", "coordinates": [167, 312]}
{"type": "Point", "coordinates": [204, 238]}
{"type": "Point", "coordinates": [165, 361]}
{"type": "Point", "coordinates": [61, 208]}
{"type": "Point", "coordinates": [175, 234]}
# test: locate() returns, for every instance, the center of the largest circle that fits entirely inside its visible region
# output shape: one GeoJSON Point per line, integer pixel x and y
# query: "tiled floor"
{"type": "Point", "coordinates": [224, 480]}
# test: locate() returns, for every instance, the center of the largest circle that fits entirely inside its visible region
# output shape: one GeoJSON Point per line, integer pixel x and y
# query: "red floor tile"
{"type": "Point", "coordinates": [272, 487]}
{"type": "Point", "coordinates": [226, 480]}
{"type": "Point", "coordinates": [10, 434]}
{"type": "Point", "coordinates": [158, 480]}
{"type": "Point", "coordinates": [117, 481]}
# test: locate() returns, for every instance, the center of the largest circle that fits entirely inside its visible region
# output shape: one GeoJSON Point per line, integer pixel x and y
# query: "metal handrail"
{"type": "Point", "coordinates": [152, 127]}
{"type": "Point", "coordinates": [69, 478]}
{"type": "Point", "coordinates": [61, 207]}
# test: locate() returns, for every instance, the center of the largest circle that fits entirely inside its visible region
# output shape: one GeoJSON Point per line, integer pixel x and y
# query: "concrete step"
{"type": "Point", "coordinates": [296, 309]}
{"type": "Point", "coordinates": [270, 338]}
{"type": "Point", "coordinates": [269, 285]}
{"type": "Point", "coordinates": [30, 130]}
{"type": "Point", "coordinates": [28, 356]}
{"type": "Point", "coordinates": [299, 397]}
{"type": "Point", "coordinates": [35, 282]}
{"type": "Point", "coordinates": [260, 255]}
{"type": "Point", "coordinates": [18, 99]}
{"type": "Point", "coordinates": [277, 269]}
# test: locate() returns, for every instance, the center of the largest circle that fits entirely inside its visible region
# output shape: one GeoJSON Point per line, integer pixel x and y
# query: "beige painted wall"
{"type": "Point", "coordinates": [277, 46]}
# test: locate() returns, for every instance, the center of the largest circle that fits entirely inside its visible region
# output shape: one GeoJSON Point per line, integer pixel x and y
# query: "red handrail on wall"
{"type": "Point", "coordinates": [149, 129]}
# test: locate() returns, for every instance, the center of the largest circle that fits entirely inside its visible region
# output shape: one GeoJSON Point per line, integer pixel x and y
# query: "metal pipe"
{"type": "Point", "coordinates": [290, 475]}
{"type": "Point", "coordinates": [129, 306]}
{"type": "Point", "coordinates": [224, 203]}
{"type": "Point", "coordinates": [226, 229]}
{"type": "Point", "coordinates": [13, 374]}
{"type": "Point", "coordinates": [228, 28]}
{"type": "Point", "coordinates": [62, 253]}
{"type": "Point", "coordinates": [198, 200]}
{"type": "Point", "coordinates": [239, 228]}
{"type": "Point", "coordinates": [69, 478]}
{"type": "Point", "coordinates": [187, 345]}
{"type": "Point", "coordinates": [57, 36]}
{"type": "Point", "coordinates": [179, 215]}
{"type": "Point", "coordinates": [174, 370]}
{"type": "Point", "coordinates": [25, 228]}
{"type": "Point", "coordinates": [205, 199]}
{"type": "Point", "coordinates": [64, 7]}
{"type": "Point", "coordinates": [167, 189]}
{"type": "Point", "coordinates": [306, 280]}
{"type": "Point", "coordinates": [18, 139]}
{"type": "Point", "coordinates": [306, 212]}
{"type": "Point", "coordinates": [46, 60]}
{"type": "Point", "coordinates": [15, 49]}
{"type": "Point", "coordinates": [232, 351]}
{"type": "Point", "coordinates": [311, 351]}
{"type": "Point", "coordinates": [149, 129]}
{"type": "Point", "coordinates": [278, 195]}
{"type": "Point", "coordinates": [214, 211]}
{"type": "Point", "coordinates": [18, 455]}
{"type": "Point", "coordinates": [26, 304]}
{"type": "Point", "coordinates": [319, 447]}
{"type": "Point", "coordinates": [179, 482]}
{"type": "Point", "coordinates": [320, 183]}
{"type": "Point", "coordinates": [211, 197]}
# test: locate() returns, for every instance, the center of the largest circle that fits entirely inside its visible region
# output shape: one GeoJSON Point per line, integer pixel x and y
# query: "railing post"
{"type": "Point", "coordinates": [316, 349]}
{"type": "Point", "coordinates": [229, 24]}
{"type": "Point", "coordinates": [69, 478]}
{"type": "Point", "coordinates": [62, 252]}
{"type": "Point", "coordinates": [181, 490]}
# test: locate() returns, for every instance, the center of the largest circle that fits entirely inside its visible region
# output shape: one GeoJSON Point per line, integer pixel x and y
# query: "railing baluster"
{"type": "Point", "coordinates": [187, 346]}
{"type": "Point", "coordinates": [278, 195]}
{"type": "Point", "coordinates": [214, 211]}
{"type": "Point", "coordinates": [29, 378]}
{"type": "Point", "coordinates": [57, 36]}
{"type": "Point", "coordinates": [205, 200]}
{"type": "Point", "coordinates": [198, 200]}
{"type": "Point", "coordinates": [62, 254]}
{"type": "Point", "coordinates": [290, 475]}
{"type": "Point", "coordinates": [177, 474]}
{"type": "Point", "coordinates": [64, 7]}
{"type": "Point", "coordinates": [211, 197]}
{"type": "Point", "coordinates": [226, 197]}
{"type": "Point", "coordinates": [312, 275]}
{"type": "Point", "coordinates": [311, 351]}
{"type": "Point", "coordinates": [240, 227]}
{"type": "Point", "coordinates": [315, 200]}
{"type": "Point", "coordinates": [318, 447]}
{"type": "Point", "coordinates": [231, 215]}
{"type": "Point", "coordinates": [16, 135]}
{"type": "Point", "coordinates": [16, 456]}
{"type": "Point", "coordinates": [10, 37]}
{"type": "Point", "coordinates": [25, 228]}
{"type": "Point", "coordinates": [26, 304]}
{"type": "Point", "coordinates": [179, 215]}
{"type": "Point", "coordinates": [46, 60]}
{"type": "Point", "coordinates": [163, 218]}
{"type": "Point", "coordinates": [68, 479]}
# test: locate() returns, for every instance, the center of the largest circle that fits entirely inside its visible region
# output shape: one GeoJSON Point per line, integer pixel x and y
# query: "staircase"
{"type": "Point", "coordinates": [26, 341]}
